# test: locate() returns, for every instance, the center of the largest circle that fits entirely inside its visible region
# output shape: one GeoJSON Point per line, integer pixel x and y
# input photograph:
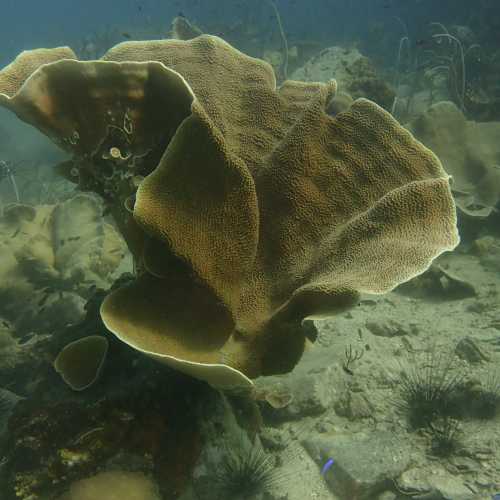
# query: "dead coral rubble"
{"type": "Point", "coordinates": [247, 208]}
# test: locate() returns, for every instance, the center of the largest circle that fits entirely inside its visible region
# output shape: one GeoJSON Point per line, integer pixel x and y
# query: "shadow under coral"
{"type": "Point", "coordinates": [140, 417]}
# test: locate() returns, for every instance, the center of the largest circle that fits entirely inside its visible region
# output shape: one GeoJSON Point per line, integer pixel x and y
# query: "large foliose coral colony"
{"type": "Point", "coordinates": [247, 207]}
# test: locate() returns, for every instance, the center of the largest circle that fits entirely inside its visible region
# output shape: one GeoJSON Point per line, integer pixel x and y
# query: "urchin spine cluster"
{"type": "Point", "coordinates": [246, 470]}
{"type": "Point", "coordinates": [433, 394]}
{"type": "Point", "coordinates": [428, 390]}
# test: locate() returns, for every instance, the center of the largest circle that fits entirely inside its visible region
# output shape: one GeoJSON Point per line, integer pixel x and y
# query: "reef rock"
{"type": "Point", "coordinates": [364, 464]}
{"type": "Point", "coordinates": [354, 73]}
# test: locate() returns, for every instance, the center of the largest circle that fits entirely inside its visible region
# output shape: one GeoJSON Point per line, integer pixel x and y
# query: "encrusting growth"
{"type": "Point", "coordinates": [255, 209]}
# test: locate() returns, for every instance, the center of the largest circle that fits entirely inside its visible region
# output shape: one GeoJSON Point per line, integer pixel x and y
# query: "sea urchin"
{"type": "Point", "coordinates": [427, 390]}
{"type": "Point", "coordinates": [245, 471]}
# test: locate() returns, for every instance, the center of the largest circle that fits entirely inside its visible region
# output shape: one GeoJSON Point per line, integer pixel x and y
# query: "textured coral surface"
{"type": "Point", "coordinates": [263, 209]}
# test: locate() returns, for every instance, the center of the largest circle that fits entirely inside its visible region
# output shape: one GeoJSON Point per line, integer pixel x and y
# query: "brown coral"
{"type": "Point", "coordinates": [263, 209]}
{"type": "Point", "coordinates": [470, 152]}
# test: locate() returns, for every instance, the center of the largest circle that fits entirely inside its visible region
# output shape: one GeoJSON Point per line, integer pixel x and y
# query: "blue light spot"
{"type": "Point", "coordinates": [327, 465]}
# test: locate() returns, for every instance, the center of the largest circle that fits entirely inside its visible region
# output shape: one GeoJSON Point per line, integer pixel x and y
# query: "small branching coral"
{"type": "Point", "coordinates": [428, 390]}
{"type": "Point", "coordinates": [350, 358]}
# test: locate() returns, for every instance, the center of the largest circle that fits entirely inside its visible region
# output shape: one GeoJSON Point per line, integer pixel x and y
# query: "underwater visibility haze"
{"type": "Point", "coordinates": [250, 249]}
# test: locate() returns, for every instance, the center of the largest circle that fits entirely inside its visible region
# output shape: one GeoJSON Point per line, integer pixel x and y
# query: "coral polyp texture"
{"type": "Point", "coordinates": [247, 208]}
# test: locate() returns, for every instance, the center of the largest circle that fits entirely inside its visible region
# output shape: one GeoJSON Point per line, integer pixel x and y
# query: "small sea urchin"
{"type": "Point", "coordinates": [428, 390]}
{"type": "Point", "coordinates": [483, 402]}
{"type": "Point", "coordinates": [245, 471]}
{"type": "Point", "coordinates": [445, 437]}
